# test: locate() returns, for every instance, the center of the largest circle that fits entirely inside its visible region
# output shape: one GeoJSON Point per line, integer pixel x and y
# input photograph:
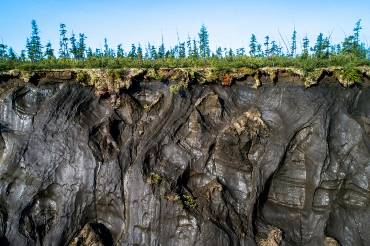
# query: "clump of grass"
{"type": "Point", "coordinates": [154, 178]}
{"type": "Point", "coordinates": [189, 201]}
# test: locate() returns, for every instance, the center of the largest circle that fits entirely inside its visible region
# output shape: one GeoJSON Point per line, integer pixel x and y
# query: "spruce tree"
{"type": "Point", "coordinates": [98, 53]}
{"type": "Point", "coordinates": [259, 50]}
{"type": "Point", "coordinates": [63, 42]}
{"type": "Point", "coordinates": [182, 50]}
{"type": "Point", "coordinates": [267, 46]}
{"type": "Point", "coordinates": [230, 53]}
{"type": "Point", "coordinates": [132, 53]}
{"type": "Point", "coordinates": [219, 52]}
{"type": "Point", "coordinates": [74, 48]}
{"type": "Point", "coordinates": [305, 48]}
{"type": "Point", "coordinates": [318, 47]}
{"type": "Point", "coordinates": [351, 44]}
{"type": "Point", "coordinates": [322, 46]}
{"type": "Point", "coordinates": [153, 53]}
{"type": "Point", "coordinates": [81, 47]}
{"type": "Point", "coordinates": [22, 56]}
{"type": "Point", "coordinates": [139, 52]}
{"type": "Point", "coordinates": [195, 51]}
{"type": "Point", "coordinates": [188, 45]}
{"type": "Point", "coordinates": [3, 49]}
{"type": "Point", "coordinates": [161, 50]}
{"type": "Point", "coordinates": [147, 52]}
{"type": "Point", "coordinates": [356, 32]}
{"type": "Point", "coordinates": [253, 46]}
{"type": "Point", "coordinates": [275, 49]}
{"type": "Point", "coordinates": [11, 54]}
{"type": "Point", "coordinates": [240, 52]}
{"type": "Point", "coordinates": [106, 47]}
{"type": "Point", "coordinates": [120, 52]}
{"type": "Point", "coordinates": [293, 47]}
{"type": "Point", "coordinates": [34, 47]}
{"type": "Point", "coordinates": [89, 53]}
{"type": "Point", "coordinates": [204, 50]}
{"type": "Point", "coordinates": [49, 52]}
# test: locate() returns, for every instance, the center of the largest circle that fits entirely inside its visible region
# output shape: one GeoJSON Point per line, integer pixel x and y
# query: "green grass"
{"type": "Point", "coordinates": [306, 64]}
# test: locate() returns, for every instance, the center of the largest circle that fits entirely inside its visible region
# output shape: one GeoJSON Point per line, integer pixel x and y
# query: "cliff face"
{"type": "Point", "coordinates": [211, 165]}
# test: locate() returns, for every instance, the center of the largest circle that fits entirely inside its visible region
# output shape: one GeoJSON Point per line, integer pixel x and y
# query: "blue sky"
{"type": "Point", "coordinates": [229, 22]}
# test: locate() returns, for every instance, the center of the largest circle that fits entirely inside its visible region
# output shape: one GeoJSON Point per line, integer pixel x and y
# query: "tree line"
{"type": "Point", "coordinates": [74, 47]}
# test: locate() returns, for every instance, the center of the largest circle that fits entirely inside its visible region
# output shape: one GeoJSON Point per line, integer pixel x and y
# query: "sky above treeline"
{"type": "Point", "coordinates": [230, 22]}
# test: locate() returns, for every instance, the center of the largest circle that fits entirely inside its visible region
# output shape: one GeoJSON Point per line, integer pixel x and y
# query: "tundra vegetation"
{"type": "Point", "coordinates": [73, 52]}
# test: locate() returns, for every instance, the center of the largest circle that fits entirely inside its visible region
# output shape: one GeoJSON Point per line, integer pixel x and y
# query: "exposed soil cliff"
{"type": "Point", "coordinates": [184, 157]}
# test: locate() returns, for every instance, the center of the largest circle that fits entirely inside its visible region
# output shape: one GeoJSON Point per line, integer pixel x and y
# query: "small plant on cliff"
{"type": "Point", "coordinates": [189, 201]}
{"type": "Point", "coordinates": [154, 178]}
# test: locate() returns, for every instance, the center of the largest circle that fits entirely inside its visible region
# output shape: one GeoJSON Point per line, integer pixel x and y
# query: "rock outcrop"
{"type": "Point", "coordinates": [126, 159]}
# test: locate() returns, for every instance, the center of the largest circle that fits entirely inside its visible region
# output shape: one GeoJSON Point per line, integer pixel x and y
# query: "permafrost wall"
{"type": "Point", "coordinates": [210, 165]}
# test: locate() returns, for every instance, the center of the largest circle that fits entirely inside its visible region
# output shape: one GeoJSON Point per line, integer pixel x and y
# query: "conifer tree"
{"type": "Point", "coordinates": [49, 52]}
{"type": "Point", "coordinates": [63, 42]}
{"type": "Point", "coordinates": [132, 53]}
{"type": "Point", "coordinates": [34, 47]}
{"type": "Point", "coordinates": [139, 52]}
{"type": "Point", "coordinates": [147, 52]}
{"type": "Point", "coordinates": [305, 48]}
{"type": "Point", "coordinates": [182, 50]}
{"type": "Point", "coordinates": [204, 50]}
{"type": "Point", "coordinates": [98, 53]}
{"type": "Point", "coordinates": [11, 54]}
{"type": "Point", "coordinates": [89, 53]}
{"type": "Point", "coordinates": [161, 50]}
{"type": "Point", "coordinates": [230, 53]}
{"type": "Point", "coordinates": [3, 49]}
{"type": "Point", "coordinates": [259, 50]}
{"type": "Point", "coordinates": [253, 46]}
{"type": "Point", "coordinates": [106, 47]}
{"type": "Point", "coordinates": [22, 56]}
{"type": "Point", "coordinates": [293, 47]}
{"type": "Point", "coordinates": [351, 44]}
{"type": "Point", "coordinates": [356, 32]}
{"type": "Point", "coordinates": [195, 51]}
{"type": "Point", "coordinates": [120, 51]}
{"type": "Point", "coordinates": [240, 52]}
{"type": "Point", "coordinates": [188, 45]}
{"type": "Point", "coordinates": [81, 47]}
{"type": "Point", "coordinates": [267, 45]}
{"type": "Point", "coordinates": [275, 49]}
{"type": "Point", "coordinates": [219, 52]}
{"type": "Point", "coordinates": [74, 48]}
{"type": "Point", "coordinates": [322, 45]}
{"type": "Point", "coordinates": [153, 53]}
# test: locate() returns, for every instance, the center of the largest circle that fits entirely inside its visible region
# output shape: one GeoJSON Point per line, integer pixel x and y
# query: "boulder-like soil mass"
{"type": "Point", "coordinates": [174, 157]}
